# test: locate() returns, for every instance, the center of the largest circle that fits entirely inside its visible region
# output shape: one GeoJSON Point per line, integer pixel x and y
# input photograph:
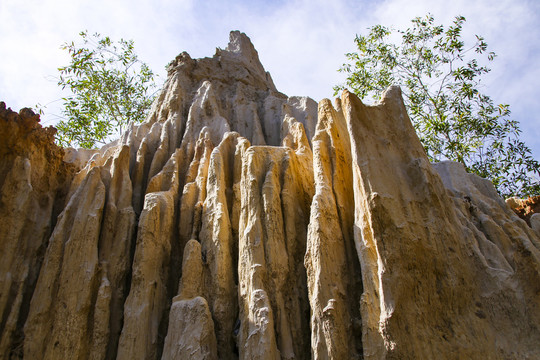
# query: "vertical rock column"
{"type": "Point", "coordinates": [64, 298]}
{"type": "Point", "coordinates": [147, 302]}
{"type": "Point", "coordinates": [217, 243]}
{"type": "Point", "coordinates": [191, 328]}
{"type": "Point", "coordinates": [332, 268]}
{"type": "Point", "coordinates": [268, 285]}
{"type": "Point", "coordinates": [257, 338]}
{"type": "Point", "coordinates": [117, 232]}
{"type": "Point", "coordinates": [423, 274]}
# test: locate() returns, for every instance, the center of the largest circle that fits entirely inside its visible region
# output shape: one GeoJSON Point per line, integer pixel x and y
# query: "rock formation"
{"type": "Point", "coordinates": [239, 223]}
{"type": "Point", "coordinates": [34, 181]}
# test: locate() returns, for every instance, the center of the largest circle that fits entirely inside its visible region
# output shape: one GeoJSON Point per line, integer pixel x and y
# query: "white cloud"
{"type": "Point", "coordinates": [301, 42]}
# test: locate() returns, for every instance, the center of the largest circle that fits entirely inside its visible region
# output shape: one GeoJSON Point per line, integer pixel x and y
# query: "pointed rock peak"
{"type": "Point", "coordinates": [240, 47]}
{"type": "Point", "coordinates": [181, 59]}
{"type": "Point", "coordinates": [392, 94]}
{"type": "Point", "coordinates": [240, 43]}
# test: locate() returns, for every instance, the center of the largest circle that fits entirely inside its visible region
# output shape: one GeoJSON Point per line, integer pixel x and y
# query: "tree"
{"type": "Point", "coordinates": [110, 88]}
{"type": "Point", "coordinates": [440, 79]}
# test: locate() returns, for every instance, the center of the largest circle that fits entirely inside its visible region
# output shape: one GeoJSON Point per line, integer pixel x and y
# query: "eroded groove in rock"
{"type": "Point", "coordinates": [194, 192]}
{"type": "Point", "coordinates": [297, 190]}
{"type": "Point", "coordinates": [266, 279]}
{"type": "Point", "coordinates": [332, 267]}
{"type": "Point", "coordinates": [148, 297]}
{"type": "Point", "coordinates": [141, 169]}
{"type": "Point", "coordinates": [217, 245]}
{"type": "Point", "coordinates": [115, 256]}
{"type": "Point", "coordinates": [64, 298]}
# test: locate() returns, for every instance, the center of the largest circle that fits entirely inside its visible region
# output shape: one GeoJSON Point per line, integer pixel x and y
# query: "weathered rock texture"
{"type": "Point", "coordinates": [237, 222]}
{"type": "Point", "coordinates": [34, 181]}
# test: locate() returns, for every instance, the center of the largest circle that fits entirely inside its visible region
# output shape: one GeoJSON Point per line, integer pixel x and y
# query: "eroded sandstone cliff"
{"type": "Point", "coordinates": [34, 181]}
{"type": "Point", "coordinates": [237, 222]}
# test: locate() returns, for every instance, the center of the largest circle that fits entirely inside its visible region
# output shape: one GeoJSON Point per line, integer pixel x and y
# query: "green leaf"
{"type": "Point", "coordinates": [102, 99]}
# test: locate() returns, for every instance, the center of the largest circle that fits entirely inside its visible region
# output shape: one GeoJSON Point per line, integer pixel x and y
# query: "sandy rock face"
{"type": "Point", "coordinates": [437, 278]}
{"type": "Point", "coordinates": [33, 185]}
{"type": "Point", "coordinates": [239, 223]}
{"type": "Point", "coordinates": [333, 269]}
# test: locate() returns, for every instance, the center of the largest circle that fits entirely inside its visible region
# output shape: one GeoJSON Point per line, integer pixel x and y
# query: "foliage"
{"type": "Point", "coordinates": [110, 88]}
{"type": "Point", "coordinates": [440, 79]}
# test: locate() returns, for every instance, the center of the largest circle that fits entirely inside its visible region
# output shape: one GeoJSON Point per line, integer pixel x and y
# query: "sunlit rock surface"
{"type": "Point", "coordinates": [239, 223]}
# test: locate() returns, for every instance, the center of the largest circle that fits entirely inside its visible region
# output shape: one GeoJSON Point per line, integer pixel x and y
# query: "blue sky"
{"type": "Point", "coordinates": [302, 43]}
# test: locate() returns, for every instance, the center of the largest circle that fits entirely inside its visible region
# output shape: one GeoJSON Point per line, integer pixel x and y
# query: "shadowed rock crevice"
{"type": "Point", "coordinates": [238, 223]}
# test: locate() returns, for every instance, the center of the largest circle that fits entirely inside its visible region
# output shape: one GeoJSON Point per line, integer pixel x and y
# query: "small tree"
{"type": "Point", "coordinates": [110, 88]}
{"type": "Point", "coordinates": [440, 81]}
